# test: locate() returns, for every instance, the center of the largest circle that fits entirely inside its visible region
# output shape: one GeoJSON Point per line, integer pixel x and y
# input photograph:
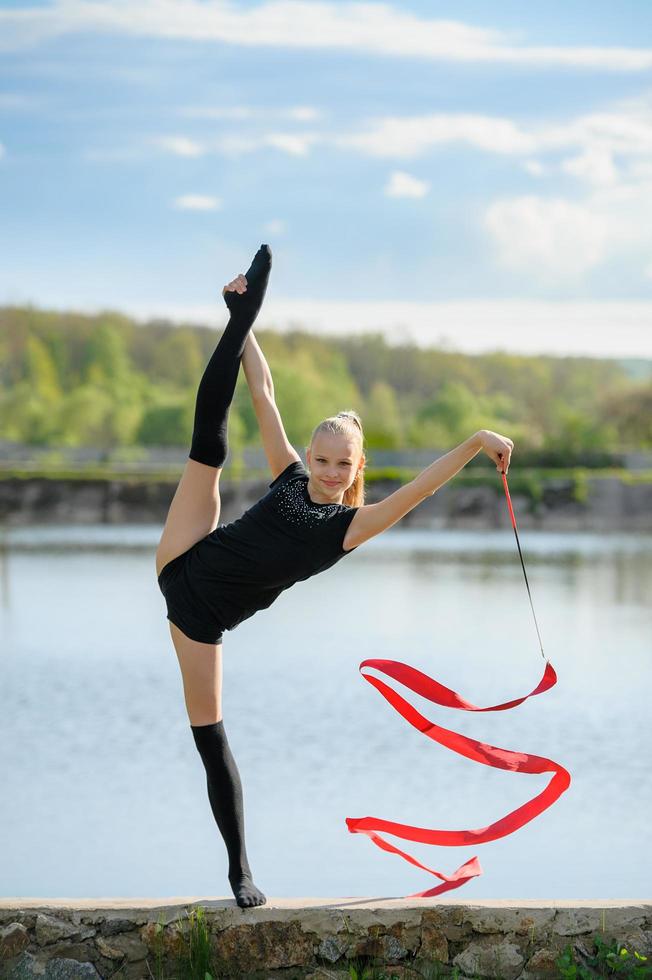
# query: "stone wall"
{"type": "Point", "coordinates": [609, 503]}
{"type": "Point", "coordinates": [317, 938]}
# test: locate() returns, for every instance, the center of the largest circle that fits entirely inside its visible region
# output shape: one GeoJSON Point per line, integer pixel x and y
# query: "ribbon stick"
{"type": "Point", "coordinates": [488, 755]}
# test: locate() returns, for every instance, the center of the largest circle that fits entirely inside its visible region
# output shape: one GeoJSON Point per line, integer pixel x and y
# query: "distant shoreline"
{"type": "Point", "coordinates": [551, 500]}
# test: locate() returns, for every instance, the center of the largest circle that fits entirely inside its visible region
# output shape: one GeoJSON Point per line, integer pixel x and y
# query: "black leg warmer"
{"type": "Point", "coordinates": [216, 388]}
{"type": "Point", "coordinates": [225, 796]}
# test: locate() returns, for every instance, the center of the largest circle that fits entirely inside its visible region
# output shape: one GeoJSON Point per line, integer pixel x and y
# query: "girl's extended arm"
{"type": "Point", "coordinates": [372, 519]}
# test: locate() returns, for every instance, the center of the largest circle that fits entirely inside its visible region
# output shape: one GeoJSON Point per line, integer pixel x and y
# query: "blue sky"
{"type": "Point", "coordinates": [471, 174]}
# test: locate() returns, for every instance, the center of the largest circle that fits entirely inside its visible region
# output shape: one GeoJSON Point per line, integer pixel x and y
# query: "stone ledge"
{"type": "Point", "coordinates": [315, 938]}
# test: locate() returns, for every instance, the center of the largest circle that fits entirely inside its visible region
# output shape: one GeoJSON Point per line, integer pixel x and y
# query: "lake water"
{"type": "Point", "coordinates": [104, 794]}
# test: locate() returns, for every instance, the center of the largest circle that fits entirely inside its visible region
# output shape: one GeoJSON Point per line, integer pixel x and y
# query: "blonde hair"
{"type": "Point", "coordinates": [347, 423]}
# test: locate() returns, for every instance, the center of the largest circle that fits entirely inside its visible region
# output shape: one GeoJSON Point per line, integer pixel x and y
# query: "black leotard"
{"type": "Point", "coordinates": [244, 566]}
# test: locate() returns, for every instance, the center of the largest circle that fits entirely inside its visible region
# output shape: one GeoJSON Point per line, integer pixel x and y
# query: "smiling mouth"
{"type": "Point", "coordinates": [328, 484]}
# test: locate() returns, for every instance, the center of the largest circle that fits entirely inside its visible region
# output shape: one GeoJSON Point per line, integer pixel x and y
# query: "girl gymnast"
{"type": "Point", "coordinates": [214, 577]}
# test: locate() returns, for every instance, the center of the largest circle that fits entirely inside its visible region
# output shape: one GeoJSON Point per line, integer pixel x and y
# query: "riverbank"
{"type": "Point", "coordinates": [550, 500]}
{"type": "Point", "coordinates": [314, 939]}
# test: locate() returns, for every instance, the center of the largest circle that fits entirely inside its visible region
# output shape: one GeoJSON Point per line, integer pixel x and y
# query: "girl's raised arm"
{"type": "Point", "coordinates": [256, 369]}
{"type": "Point", "coordinates": [278, 449]}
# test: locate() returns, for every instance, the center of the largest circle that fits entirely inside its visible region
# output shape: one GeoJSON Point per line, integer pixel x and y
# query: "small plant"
{"type": "Point", "coordinates": [197, 960]}
{"type": "Point", "coordinates": [609, 958]}
{"type": "Point", "coordinates": [159, 950]}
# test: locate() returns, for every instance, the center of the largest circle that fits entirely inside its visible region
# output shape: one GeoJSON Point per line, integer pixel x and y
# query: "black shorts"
{"type": "Point", "coordinates": [196, 623]}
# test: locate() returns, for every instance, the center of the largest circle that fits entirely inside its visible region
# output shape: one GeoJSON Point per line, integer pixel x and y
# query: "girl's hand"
{"type": "Point", "coordinates": [499, 448]}
{"type": "Point", "coordinates": [238, 285]}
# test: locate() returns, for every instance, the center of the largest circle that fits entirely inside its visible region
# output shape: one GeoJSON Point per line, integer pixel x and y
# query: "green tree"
{"type": "Point", "coordinates": [40, 371]}
{"type": "Point", "coordinates": [85, 418]}
{"type": "Point", "coordinates": [178, 358]}
{"type": "Point", "coordinates": [107, 361]}
{"type": "Point", "coordinates": [573, 432]}
{"type": "Point", "coordinates": [382, 421]}
{"type": "Point", "coordinates": [630, 414]}
{"type": "Point", "coordinates": [453, 409]}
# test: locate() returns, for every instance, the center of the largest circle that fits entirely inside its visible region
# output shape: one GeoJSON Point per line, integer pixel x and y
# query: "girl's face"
{"type": "Point", "coordinates": [333, 461]}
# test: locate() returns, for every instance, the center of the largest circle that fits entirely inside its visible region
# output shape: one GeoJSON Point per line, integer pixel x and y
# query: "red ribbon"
{"type": "Point", "coordinates": [488, 755]}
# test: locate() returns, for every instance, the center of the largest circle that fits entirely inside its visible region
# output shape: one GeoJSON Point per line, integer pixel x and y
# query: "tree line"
{"type": "Point", "coordinates": [105, 380]}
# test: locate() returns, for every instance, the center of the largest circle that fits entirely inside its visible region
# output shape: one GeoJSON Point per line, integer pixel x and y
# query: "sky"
{"type": "Point", "coordinates": [465, 174]}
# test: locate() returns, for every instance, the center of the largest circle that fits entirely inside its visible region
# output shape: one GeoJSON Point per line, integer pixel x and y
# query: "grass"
{"type": "Point", "coordinates": [196, 958]}
{"type": "Point", "coordinates": [605, 960]}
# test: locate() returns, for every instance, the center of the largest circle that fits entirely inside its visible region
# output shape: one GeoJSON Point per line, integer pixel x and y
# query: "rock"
{"type": "Point", "coordinates": [323, 974]}
{"type": "Point", "coordinates": [129, 947]}
{"type": "Point", "coordinates": [63, 969]}
{"type": "Point", "coordinates": [392, 949]}
{"type": "Point", "coordinates": [542, 964]}
{"type": "Point", "coordinates": [14, 938]}
{"type": "Point", "coordinates": [500, 960]}
{"type": "Point", "coordinates": [49, 929]}
{"type": "Point", "coordinates": [502, 920]}
{"type": "Point", "coordinates": [67, 951]}
{"type": "Point", "coordinates": [576, 922]}
{"type": "Point", "coordinates": [434, 944]}
{"type": "Point", "coordinates": [110, 927]}
{"type": "Point", "coordinates": [23, 967]}
{"type": "Point", "coordinates": [331, 949]}
{"type": "Point", "coordinates": [276, 944]}
{"type": "Point", "coordinates": [449, 920]}
{"type": "Point", "coordinates": [164, 939]}
{"type": "Point", "coordinates": [28, 967]}
{"type": "Point", "coordinates": [106, 949]}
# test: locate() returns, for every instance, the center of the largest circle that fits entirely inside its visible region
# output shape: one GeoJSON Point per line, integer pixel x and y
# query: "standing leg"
{"type": "Point", "coordinates": [201, 670]}
{"type": "Point", "coordinates": [225, 796]}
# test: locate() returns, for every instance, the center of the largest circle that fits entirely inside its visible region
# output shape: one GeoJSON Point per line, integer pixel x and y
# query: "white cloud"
{"type": "Point", "coordinates": [181, 146]}
{"type": "Point", "coordinates": [595, 165]}
{"type": "Point", "coordinates": [640, 170]}
{"type": "Point", "coordinates": [295, 144]}
{"type": "Point", "coordinates": [274, 227]}
{"type": "Point", "coordinates": [535, 168]}
{"type": "Point", "coordinates": [624, 128]}
{"type": "Point", "coordinates": [298, 113]}
{"type": "Point", "coordinates": [549, 238]}
{"type": "Point", "coordinates": [197, 202]}
{"type": "Point", "coordinates": [380, 28]}
{"type": "Point", "coordinates": [304, 113]}
{"type": "Point", "coordinates": [410, 136]}
{"type": "Point", "coordinates": [2, 151]}
{"type": "Point", "coordinates": [402, 184]}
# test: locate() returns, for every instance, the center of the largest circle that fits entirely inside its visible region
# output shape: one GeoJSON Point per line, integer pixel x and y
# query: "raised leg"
{"type": "Point", "coordinates": [195, 508]}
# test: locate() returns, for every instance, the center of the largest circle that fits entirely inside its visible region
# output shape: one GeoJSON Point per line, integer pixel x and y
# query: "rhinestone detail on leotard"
{"type": "Point", "coordinates": [296, 507]}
